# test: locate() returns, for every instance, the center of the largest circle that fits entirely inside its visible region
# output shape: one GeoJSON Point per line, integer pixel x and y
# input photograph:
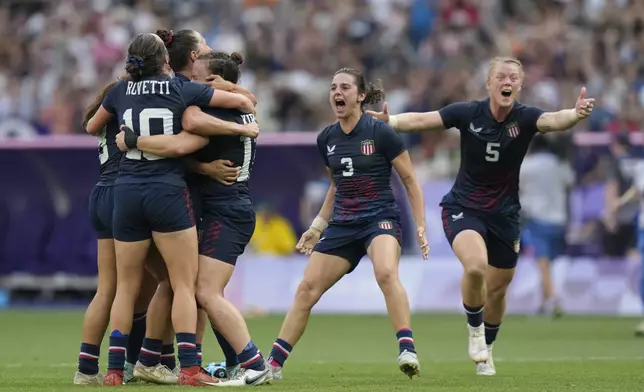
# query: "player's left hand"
{"type": "Point", "coordinates": [421, 238]}
{"type": "Point", "coordinates": [584, 106]}
{"type": "Point", "coordinates": [120, 141]}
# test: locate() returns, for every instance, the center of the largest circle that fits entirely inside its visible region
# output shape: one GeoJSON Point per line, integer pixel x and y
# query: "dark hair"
{"type": "Point", "coordinates": [373, 94]}
{"type": "Point", "coordinates": [145, 57]}
{"type": "Point", "coordinates": [93, 107]}
{"type": "Point", "coordinates": [224, 64]}
{"type": "Point", "coordinates": [179, 46]}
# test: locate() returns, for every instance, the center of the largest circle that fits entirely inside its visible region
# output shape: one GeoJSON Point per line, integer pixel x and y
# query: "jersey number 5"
{"type": "Point", "coordinates": [492, 152]}
{"type": "Point", "coordinates": [348, 164]}
{"type": "Point", "coordinates": [167, 118]}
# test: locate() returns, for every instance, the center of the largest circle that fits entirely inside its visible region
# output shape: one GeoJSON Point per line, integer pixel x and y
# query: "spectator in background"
{"type": "Point", "coordinates": [619, 228]}
{"type": "Point", "coordinates": [273, 233]}
{"type": "Point", "coordinates": [55, 53]}
{"type": "Point", "coordinates": [544, 184]}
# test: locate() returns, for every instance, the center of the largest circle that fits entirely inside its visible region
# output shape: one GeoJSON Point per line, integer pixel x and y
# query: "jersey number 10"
{"type": "Point", "coordinates": [163, 114]}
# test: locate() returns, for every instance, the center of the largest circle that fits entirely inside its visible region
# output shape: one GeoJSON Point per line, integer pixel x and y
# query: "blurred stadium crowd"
{"type": "Point", "coordinates": [54, 56]}
{"type": "Point", "coordinates": [427, 52]}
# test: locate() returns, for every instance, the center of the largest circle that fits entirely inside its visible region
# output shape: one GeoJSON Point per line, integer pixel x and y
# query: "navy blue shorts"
{"type": "Point", "coordinates": [224, 231]}
{"type": "Point", "coordinates": [351, 241]}
{"type": "Point", "coordinates": [140, 209]}
{"type": "Point", "coordinates": [101, 209]}
{"type": "Point", "coordinates": [501, 233]}
{"type": "Point", "coordinates": [196, 201]}
{"type": "Point", "coordinates": [548, 239]}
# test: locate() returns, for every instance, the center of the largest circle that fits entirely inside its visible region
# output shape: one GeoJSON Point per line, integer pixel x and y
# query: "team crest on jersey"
{"type": "Point", "coordinates": [385, 225]}
{"type": "Point", "coordinates": [513, 129]}
{"type": "Point", "coordinates": [367, 147]}
{"type": "Point", "coordinates": [517, 245]}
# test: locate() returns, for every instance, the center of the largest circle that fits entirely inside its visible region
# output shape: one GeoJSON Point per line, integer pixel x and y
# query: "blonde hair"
{"type": "Point", "coordinates": [504, 60]}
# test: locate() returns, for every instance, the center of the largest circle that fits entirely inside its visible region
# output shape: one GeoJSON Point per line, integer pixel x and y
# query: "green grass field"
{"type": "Point", "coordinates": [358, 353]}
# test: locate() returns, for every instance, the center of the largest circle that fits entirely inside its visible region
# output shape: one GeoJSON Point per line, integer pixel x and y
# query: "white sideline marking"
{"type": "Point", "coordinates": [439, 361]}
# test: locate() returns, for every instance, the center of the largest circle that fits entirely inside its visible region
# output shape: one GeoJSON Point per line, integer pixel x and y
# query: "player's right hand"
{"type": "Point", "coordinates": [384, 115]}
{"type": "Point", "coordinates": [251, 130]}
{"type": "Point", "coordinates": [223, 171]}
{"type": "Point", "coordinates": [307, 241]}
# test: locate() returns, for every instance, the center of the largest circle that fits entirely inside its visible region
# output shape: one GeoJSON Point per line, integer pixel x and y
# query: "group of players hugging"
{"type": "Point", "coordinates": [173, 210]}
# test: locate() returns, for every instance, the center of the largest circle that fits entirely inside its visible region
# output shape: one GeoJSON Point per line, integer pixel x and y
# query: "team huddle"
{"type": "Point", "coordinates": [171, 223]}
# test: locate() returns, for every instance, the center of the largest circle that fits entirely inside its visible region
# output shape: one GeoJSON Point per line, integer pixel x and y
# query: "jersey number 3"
{"type": "Point", "coordinates": [165, 115]}
{"type": "Point", "coordinates": [348, 166]}
{"type": "Point", "coordinates": [492, 152]}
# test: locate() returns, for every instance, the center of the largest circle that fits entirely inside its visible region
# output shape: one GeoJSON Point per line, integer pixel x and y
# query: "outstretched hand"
{"type": "Point", "coordinates": [384, 115]}
{"type": "Point", "coordinates": [584, 106]}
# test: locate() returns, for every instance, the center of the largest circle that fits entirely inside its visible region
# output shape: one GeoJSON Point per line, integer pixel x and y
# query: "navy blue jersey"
{"type": "Point", "coordinates": [240, 150]}
{"type": "Point", "coordinates": [181, 78]}
{"type": "Point", "coordinates": [153, 107]}
{"type": "Point", "coordinates": [108, 153]}
{"type": "Point", "coordinates": [491, 155]}
{"type": "Point", "coordinates": [361, 165]}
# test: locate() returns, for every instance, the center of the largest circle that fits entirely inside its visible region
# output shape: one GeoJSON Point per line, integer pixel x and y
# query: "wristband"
{"type": "Point", "coordinates": [319, 224]}
{"type": "Point", "coordinates": [131, 138]}
{"type": "Point", "coordinates": [393, 122]}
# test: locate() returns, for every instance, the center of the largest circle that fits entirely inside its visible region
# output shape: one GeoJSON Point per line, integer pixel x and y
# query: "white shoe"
{"type": "Point", "coordinates": [477, 347]}
{"type": "Point", "coordinates": [88, 379]}
{"type": "Point", "coordinates": [159, 374]}
{"type": "Point", "coordinates": [248, 377]}
{"type": "Point", "coordinates": [128, 374]}
{"type": "Point", "coordinates": [276, 371]}
{"type": "Point", "coordinates": [486, 368]}
{"type": "Point", "coordinates": [408, 364]}
{"type": "Point", "coordinates": [231, 372]}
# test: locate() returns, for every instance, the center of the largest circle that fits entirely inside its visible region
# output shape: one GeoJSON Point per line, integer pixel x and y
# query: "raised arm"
{"type": "Point", "coordinates": [567, 118]}
{"type": "Point", "coordinates": [169, 146]}
{"type": "Point", "coordinates": [447, 117]}
{"type": "Point", "coordinates": [200, 123]}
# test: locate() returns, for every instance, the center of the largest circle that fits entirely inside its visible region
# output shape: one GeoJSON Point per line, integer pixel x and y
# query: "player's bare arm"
{"type": "Point", "coordinates": [405, 170]}
{"type": "Point", "coordinates": [567, 118]}
{"type": "Point", "coordinates": [226, 100]}
{"type": "Point", "coordinates": [410, 122]}
{"type": "Point", "coordinates": [169, 146]}
{"type": "Point", "coordinates": [200, 123]}
{"type": "Point", "coordinates": [98, 121]}
{"type": "Point", "coordinates": [219, 83]}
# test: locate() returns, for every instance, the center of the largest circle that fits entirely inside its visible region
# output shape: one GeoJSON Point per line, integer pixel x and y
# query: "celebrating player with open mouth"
{"type": "Point", "coordinates": [481, 212]}
{"type": "Point", "coordinates": [359, 216]}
